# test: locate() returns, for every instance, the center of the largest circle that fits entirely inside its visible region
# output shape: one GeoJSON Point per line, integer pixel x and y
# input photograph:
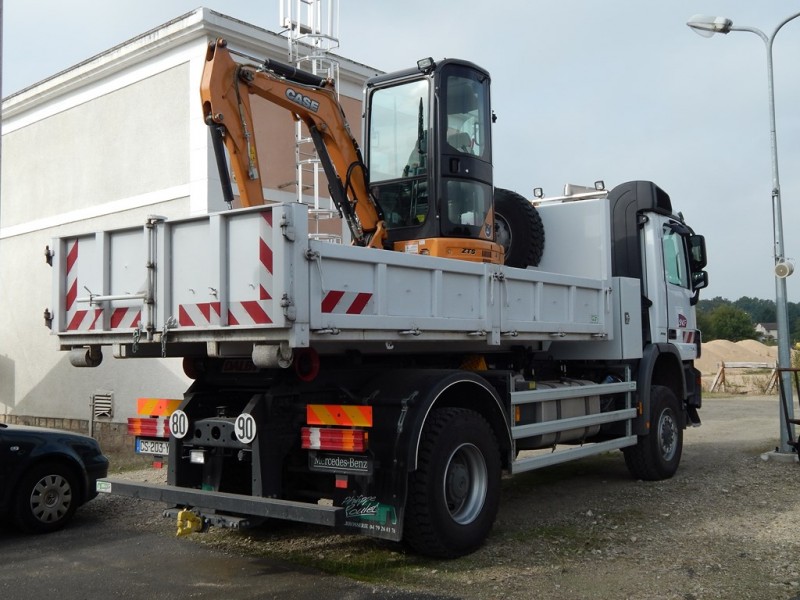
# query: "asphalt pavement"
{"type": "Point", "coordinates": [104, 554]}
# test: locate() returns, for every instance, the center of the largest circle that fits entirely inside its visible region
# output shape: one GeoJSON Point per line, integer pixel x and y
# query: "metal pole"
{"type": "Point", "coordinates": [1, 81]}
{"type": "Point", "coordinates": [786, 430]}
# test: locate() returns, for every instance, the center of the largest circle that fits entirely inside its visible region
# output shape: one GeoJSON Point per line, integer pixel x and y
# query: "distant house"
{"type": "Point", "coordinates": [767, 330]}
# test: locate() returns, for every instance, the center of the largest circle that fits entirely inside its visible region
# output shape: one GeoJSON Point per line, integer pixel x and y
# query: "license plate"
{"type": "Point", "coordinates": [158, 447]}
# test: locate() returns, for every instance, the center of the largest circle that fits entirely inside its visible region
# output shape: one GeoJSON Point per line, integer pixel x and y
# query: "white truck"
{"type": "Point", "coordinates": [384, 392]}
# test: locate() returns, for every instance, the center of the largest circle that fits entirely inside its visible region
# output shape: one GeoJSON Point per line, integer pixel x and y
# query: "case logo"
{"type": "Point", "coordinates": [302, 100]}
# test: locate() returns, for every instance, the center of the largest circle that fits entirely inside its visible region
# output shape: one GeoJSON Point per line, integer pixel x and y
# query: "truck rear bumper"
{"type": "Point", "coordinates": [236, 504]}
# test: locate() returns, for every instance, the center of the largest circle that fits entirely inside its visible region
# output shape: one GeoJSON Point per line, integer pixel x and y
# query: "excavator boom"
{"type": "Point", "coordinates": [226, 88]}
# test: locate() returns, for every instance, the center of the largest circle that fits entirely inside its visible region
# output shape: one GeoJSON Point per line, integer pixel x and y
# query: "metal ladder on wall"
{"type": "Point", "coordinates": [312, 28]}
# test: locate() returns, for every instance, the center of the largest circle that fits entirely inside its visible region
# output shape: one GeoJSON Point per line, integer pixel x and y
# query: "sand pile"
{"type": "Point", "coordinates": [738, 380]}
{"type": "Point", "coordinates": [718, 351]}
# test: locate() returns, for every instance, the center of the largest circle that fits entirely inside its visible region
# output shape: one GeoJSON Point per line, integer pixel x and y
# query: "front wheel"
{"type": "Point", "coordinates": [657, 455]}
{"type": "Point", "coordinates": [46, 499]}
{"type": "Point", "coordinates": [455, 492]}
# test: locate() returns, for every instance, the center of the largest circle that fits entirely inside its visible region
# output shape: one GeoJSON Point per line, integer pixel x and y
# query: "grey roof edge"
{"type": "Point", "coordinates": [199, 23]}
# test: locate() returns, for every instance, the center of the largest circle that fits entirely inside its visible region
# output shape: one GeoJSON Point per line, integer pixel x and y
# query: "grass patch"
{"type": "Point", "coordinates": [361, 559]}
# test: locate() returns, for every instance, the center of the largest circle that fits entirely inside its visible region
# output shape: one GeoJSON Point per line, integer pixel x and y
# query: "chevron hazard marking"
{"type": "Point", "coordinates": [348, 303]}
{"type": "Point", "coordinates": [339, 414]}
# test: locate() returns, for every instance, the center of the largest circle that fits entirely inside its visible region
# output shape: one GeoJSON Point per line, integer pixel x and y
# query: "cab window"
{"type": "Point", "coordinates": [398, 145]}
{"type": "Point", "coordinates": [675, 263]}
{"type": "Point", "coordinates": [466, 118]}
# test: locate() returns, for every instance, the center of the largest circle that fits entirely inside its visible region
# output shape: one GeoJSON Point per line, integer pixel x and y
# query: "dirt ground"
{"type": "Point", "coordinates": [725, 526]}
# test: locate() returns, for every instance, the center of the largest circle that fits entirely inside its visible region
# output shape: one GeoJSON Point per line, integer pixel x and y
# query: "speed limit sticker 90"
{"type": "Point", "coordinates": [245, 428]}
{"type": "Point", "coordinates": [178, 424]}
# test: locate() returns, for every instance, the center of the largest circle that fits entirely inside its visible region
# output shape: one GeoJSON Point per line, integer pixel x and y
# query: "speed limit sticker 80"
{"type": "Point", "coordinates": [179, 424]}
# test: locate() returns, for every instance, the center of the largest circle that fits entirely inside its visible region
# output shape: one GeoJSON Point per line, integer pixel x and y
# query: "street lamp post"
{"type": "Point", "coordinates": [708, 26]}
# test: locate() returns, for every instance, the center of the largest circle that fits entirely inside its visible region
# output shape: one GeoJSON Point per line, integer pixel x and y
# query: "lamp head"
{"type": "Point", "coordinates": [707, 26]}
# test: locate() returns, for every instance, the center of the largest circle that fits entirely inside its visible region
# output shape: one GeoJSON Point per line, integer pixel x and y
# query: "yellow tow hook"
{"type": "Point", "coordinates": [188, 523]}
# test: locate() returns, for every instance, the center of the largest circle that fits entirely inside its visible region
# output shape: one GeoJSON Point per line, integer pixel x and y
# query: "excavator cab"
{"type": "Point", "coordinates": [428, 147]}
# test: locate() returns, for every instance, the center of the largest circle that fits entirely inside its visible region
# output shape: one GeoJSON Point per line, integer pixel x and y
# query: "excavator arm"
{"type": "Point", "coordinates": [226, 88]}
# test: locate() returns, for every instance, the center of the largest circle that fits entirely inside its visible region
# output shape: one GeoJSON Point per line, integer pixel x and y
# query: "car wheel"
{"type": "Point", "coordinates": [46, 499]}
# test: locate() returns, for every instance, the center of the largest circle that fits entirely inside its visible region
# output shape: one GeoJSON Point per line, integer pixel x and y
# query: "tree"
{"type": "Point", "coordinates": [760, 311]}
{"type": "Point", "coordinates": [704, 325]}
{"type": "Point", "coordinates": [731, 323]}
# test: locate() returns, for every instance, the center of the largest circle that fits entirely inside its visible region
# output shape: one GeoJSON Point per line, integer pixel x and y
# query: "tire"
{"type": "Point", "coordinates": [454, 494]}
{"type": "Point", "coordinates": [657, 455]}
{"type": "Point", "coordinates": [518, 228]}
{"type": "Point", "coordinates": [47, 497]}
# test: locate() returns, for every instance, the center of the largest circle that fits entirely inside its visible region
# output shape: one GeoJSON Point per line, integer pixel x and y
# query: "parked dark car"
{"type": "Point", "coordinates": [45, 475]}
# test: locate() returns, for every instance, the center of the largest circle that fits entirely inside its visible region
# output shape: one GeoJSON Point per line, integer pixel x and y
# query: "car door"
{"type": "Point", "coordinates": [14, 452]}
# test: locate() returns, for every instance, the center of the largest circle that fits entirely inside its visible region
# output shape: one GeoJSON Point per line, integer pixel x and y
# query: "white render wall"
{"type": "Point", "coordinates": [103, 145]}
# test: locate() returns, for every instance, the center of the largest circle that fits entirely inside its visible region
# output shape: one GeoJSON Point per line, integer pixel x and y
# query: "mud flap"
{"type": "Point", "coordinates": [378, 510]}
{"type": "Point", "coordinates": [376, 516]}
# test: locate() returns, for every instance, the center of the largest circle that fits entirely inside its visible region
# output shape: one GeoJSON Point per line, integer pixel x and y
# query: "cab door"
{"type": "Point", "coordinates": [681, 320]}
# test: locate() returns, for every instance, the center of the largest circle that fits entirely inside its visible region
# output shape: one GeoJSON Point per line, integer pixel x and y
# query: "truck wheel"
{"type": "Point", "coordinates": [657, 455]}
{"type": "Point", "coordinates": [518, 228]}
{"type": "Point", "coordinates": [454, 493]}
{"type": "Point", "coordinates": [47, 497]}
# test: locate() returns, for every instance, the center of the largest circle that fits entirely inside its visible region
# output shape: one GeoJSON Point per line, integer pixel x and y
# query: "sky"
{"type": "Point", "coordinates": [584, 90]}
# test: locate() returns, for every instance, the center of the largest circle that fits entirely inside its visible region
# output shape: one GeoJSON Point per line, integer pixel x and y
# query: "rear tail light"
{"type": "Point", "coordinates": [334, 438]}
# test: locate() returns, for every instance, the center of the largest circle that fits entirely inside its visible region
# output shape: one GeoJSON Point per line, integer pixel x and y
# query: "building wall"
{"type": "Point", "coordinates": [96, 152]}
{"type": "Point", "coordinates": [103, 146]}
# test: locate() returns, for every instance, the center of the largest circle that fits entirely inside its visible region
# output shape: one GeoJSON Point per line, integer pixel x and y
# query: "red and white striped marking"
{"type": "Point", "coordinates": [348, 303]}
{"type": "Point", "coordinates": [248, 313]}
{"type": "Point", "coordinates": [72, 274]}
{"type": "Point", "coordinates": [199, 315]}
{"type": "Point", "coordinates": [256, 311]}
{"type": "Point", "coordinates": [84, 319]}
{"type": "Point", "coordinates": [125, 318]}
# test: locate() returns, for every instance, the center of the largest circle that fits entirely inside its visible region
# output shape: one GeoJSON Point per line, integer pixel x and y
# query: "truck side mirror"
{"type": "Point", "coordinates": [699, 281]}
{"type": "Point", "coordinates": [697, 254]}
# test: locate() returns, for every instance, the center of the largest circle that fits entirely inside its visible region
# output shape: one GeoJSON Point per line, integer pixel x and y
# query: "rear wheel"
{"type": "Point", "coordinates": [657, 455]}
{"type": "Point", "coordinates": [518, 228]}
{"type": "Point", "coordinates": [454, 493]}
{"type": "Point", "coordinates": [46, 499]}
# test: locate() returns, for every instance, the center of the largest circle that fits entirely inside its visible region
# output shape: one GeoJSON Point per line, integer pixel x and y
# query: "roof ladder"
{"type": "Point", "coordinates": [312, 29]}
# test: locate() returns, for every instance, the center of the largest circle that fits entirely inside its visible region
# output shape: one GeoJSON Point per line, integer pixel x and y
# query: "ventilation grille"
{"type": "Point", "coordinates": [103, 405]}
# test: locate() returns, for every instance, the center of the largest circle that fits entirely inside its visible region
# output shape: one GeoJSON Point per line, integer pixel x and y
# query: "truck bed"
{"type": "Point", "coordinates": [224, 283]}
